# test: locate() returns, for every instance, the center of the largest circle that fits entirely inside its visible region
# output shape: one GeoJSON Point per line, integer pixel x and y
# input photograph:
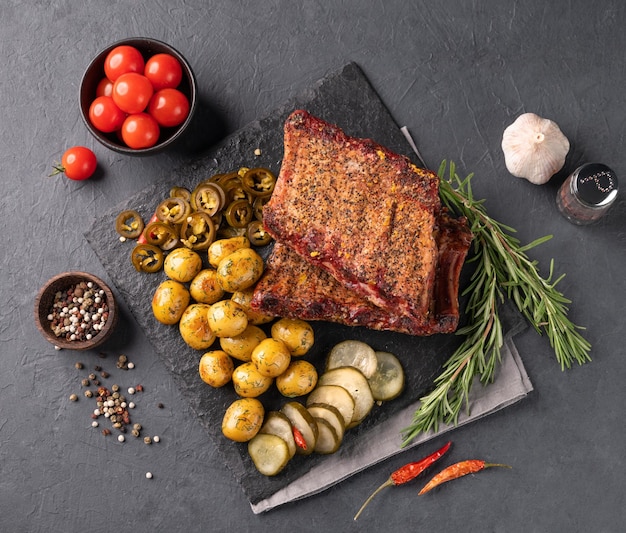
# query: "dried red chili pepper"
{"type": "Point", "coordinates": [299, 438]}
{"type": "Point", "coordinates": [407, 473]}
{"type": "Point", "coordinates": [458, 470]}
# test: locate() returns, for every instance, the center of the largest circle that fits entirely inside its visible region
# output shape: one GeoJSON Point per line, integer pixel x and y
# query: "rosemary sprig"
{"type": "Point", "coordinates": [502, 270]}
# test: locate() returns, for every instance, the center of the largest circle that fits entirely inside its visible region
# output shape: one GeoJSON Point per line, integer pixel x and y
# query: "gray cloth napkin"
{"type": "Point", "coordinates": [510, 385]}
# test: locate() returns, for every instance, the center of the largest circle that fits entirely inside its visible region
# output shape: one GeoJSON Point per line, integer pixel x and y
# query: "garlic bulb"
{"type": "Point", "coordinates": [534, 148]}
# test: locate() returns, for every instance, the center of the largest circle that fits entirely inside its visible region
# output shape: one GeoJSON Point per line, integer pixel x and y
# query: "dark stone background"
{"type": "Point", "coordinates": [456, 74]}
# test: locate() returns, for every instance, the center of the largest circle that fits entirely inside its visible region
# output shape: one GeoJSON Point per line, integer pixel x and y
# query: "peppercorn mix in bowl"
{"type": "Point", "coordinates": [76, 311]}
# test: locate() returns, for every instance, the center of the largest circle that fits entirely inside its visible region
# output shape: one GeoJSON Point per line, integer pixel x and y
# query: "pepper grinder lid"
{"type": "Point", "coordinates": [595, 185]}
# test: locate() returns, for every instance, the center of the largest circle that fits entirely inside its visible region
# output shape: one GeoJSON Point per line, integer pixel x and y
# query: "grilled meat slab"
{"type": "Point", "coordinates": [293, 287]}
{"type": "Point", "coordinates": [359, 212]}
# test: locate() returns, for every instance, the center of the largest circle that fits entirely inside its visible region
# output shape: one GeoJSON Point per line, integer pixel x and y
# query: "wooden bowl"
{"type": "Point", "coordinates": [44, 304]}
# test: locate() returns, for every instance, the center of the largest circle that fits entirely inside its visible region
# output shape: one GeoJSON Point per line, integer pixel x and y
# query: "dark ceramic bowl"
{"type": "Point", "coordinates": [45, 300]}
{"type": "Point", "coordinates": [95, 73]}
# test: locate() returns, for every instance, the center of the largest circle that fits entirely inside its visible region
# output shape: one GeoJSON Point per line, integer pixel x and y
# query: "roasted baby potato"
{"type": "Point", "coordinates": [295, 333]}
{"type": "Point", "coordinates": [205, 287]}
{"type": "Point", "coordinates": [223, 247]}
{"type": "Point", "coordinates": [216, 368]}
{"type": "Point", "coordinates": [182, 264]}
{"type": "Point", "coordinates": [241, 346]}
{"type": "Point", "coordinates": [271, 357]}
{"type": "Point", "coordinates": [240, 270]}
{"type": "Point", "coordinates": [169, 301]}
{"type": "Point", "coordinates": [227, 318]}
{"type": "Point", "coordinates": [255, 317]}
{"type": "Point", "coordinates": [299, 379]}
{"type": "Point", "coordinates": [249, 382]}
{"type": "Point", "coordinates": [194, 327]}
{"type": "Point", "coordinates": [243, 419]}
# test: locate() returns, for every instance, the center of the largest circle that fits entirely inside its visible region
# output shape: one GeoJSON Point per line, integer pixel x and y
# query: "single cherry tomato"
{"type": "Point", "coordinates": [105, 87]}
{"type": "Point", "coordinates": [163, 71]}
{"type": "Point", "coordinates": [123, 59]}
{"type": "Point", "coordinates": [140, 131]}
{"type": "Point", "coordinates": [78, 163]}
{"type": "Point", "coordinates": [169, 107]}
{"type": "Point", "coordinates": [132, 92]}
{"type": "Point", "coordinates": [105, 116]}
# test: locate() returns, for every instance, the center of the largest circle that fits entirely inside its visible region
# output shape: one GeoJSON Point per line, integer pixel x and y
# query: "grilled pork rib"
{"type": "Point", "coordinates": [362, 213]}
{"type": "Point", "coordinates": [293, 287]}
{"type": "Point", "coordinates": [361, 237]}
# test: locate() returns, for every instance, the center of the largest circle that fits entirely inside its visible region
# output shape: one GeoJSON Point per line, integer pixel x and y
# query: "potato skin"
{"type": "Point", "coordinates": [271, 357]}
{"type": "Point", "coordinates": [249, 382]}
{"type": "Point", "coordinates": [182, 264]}
{"type": "Point", "coordinates": [227, 318]}
{"type": "Point", "coordinates": [243, 419]}
{"type": "Point", "coordinates": [194, 327]}
{"type": "Point", "coordinates": [169, 301]}
{"type": "Point", "coordinates": [205, 288]}
{"type": "Point", "coordinates": [223, 247]}
{"type": "Point", "coordinates": [295, 333]}
{"type": "Point", "coordinates": [240, 270]}
{"type": "Point", "coordinates": [240, 347]}
{"type": "Point", "coordinates": [216, 368]}
{"type": "Point", "coordinates": [299, 379]}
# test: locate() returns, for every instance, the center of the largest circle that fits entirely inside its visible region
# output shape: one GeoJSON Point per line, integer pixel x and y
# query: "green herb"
{"type": "Point", "coordinates": [502, 270]}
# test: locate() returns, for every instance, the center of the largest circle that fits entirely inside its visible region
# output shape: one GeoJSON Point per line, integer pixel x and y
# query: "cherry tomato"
{"type": "Point", "coordinates": [104, 114]}
{"type": "Point", "coordinates": [78, 163]}
{"type": "Point", "coordinates": [140, 130]}
{"type": "Point", "coordinates": [163, 71]}
{"type": "Point", "coordinates": [105, 87]}
{"type": "Point", "coordinates": [169, 107]}
{"type": "Point", "coordinates": [123, 59]}
{"type": "Point", "coordinates": [132, 92]}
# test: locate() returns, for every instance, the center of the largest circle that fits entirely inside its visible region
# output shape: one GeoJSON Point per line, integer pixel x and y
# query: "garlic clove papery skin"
{"type": "Point", "coordinates": [534, 148]}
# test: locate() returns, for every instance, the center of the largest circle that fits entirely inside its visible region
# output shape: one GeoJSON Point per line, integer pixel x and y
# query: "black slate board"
{"type": "Point", "coordinates": [347, 99]}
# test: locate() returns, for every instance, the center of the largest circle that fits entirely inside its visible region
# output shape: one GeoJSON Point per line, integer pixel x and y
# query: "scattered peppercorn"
{"type": "Point", "coordinates": [160, 405]}
{"type": "Point", "coordinates": [104, 374]}
{"type": "Point", "coordinates": [148, 475]}
{"type": "Point", "coordinates": [78, 365]}
{"type": "Point", "coordinates": [139, 388]}
{"type": "Point", "coordinates": [147, 440]}
{"type": "Point", "coordinates": [88, 393]}
{"type": "Point", "coordinates": [73, 397]}
{"type": "Point", "coordinates": [106, 432]}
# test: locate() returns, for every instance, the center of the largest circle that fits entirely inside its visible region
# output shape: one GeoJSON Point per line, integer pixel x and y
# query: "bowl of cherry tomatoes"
{"type": "Point", "coordinates": [138, 96]}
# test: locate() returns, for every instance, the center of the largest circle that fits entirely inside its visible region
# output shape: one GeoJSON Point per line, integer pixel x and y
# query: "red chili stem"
{"type": "Point", "coordinates": [458, 470]}
{"type": "Point", "coordinates": [406, 473]}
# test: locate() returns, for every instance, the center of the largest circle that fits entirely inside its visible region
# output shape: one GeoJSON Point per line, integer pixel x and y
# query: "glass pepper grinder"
{"type": "Point", "coordinates": [587, 193]}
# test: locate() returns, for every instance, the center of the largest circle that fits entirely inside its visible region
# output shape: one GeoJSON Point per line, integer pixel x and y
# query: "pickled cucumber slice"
{"type": "Point", "coordinates": [269, 453]}
{"type": "Point", "coordinates": [387, 382]}
{"type": "Point", "coordinates": [327, 441]}
{"type": "Point", "coordinates": [357, 354]}
{"type": "Point", "coordinates": [330, 414]}
{"type": "Point", "coordinates": [356, 384]}
{"type": "Point", "coordinates": [303, 421]}
{"type": "Point", "coordinates": [336, 396]}
{"type": "Point", "coordinates": [278, 424]}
